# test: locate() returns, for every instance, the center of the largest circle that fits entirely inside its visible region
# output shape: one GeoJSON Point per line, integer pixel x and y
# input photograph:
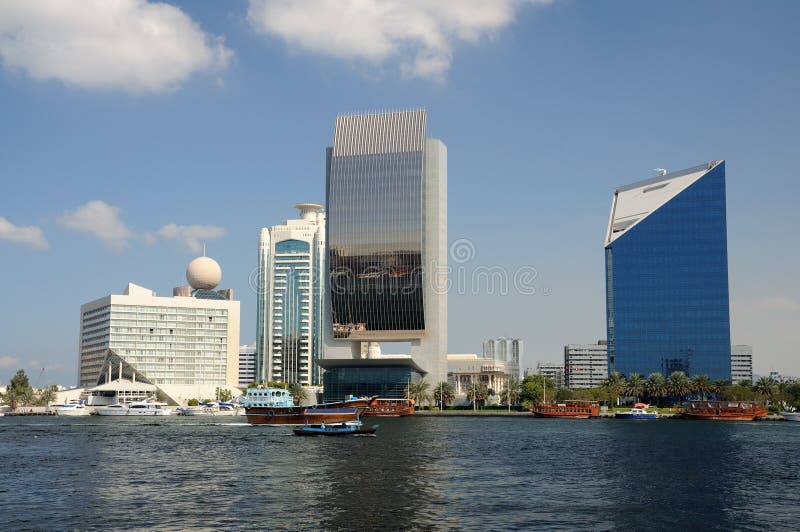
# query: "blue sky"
{"type": "Point", "coordinates": [119, 150]}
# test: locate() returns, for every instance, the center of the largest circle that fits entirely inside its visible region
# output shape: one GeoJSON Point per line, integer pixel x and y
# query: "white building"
{"type": "Point", "coordinates": [466, 369]}
{"type": "Point", "coordinates": [247, 364]}
{"type": "Point", "coordinates": [585, 365]}
{"type": "Point", "coordinates": [289, 336]}
{"type": "Point", "coordinates": [551, 370]}
{"type": "Point", "coordinates": [504, 349]}
{"type": "Point", "coordinates": [187, 345]}
{"type": "Point", "coordinates": [741, 363]}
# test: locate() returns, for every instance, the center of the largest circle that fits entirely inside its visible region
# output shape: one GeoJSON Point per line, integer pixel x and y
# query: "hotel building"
{"type": "Point", "coordinates": [585, 365]}
{"type": "Point", "coordinates": [387, 254]}
{"type": "Point", "coordinates": [187, 345]}
{"type": "Point", "coordinates": [290, 284]}
{"type": "Point", "coordinates": [667, 275]}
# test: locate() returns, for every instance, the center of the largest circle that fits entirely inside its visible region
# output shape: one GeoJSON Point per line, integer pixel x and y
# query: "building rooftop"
{"type": "Point", "coordinates": [635, 202]}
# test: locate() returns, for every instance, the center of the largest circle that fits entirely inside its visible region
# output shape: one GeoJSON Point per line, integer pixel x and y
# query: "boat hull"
{"type": "Point", "coordinates": [300, 415]}
{"type": "Point", "coordinates": [626, 415]}
{"type": "Point", "coordinates": [791, 416]}
{"type": "Point", "coordinates": [73, 412]}
{"type": "Point", "coordinates": [350, 430]}
{"type": "Point", "coordinates": [724, 411]}
{"type": "Point", "coordinates": [390, 408]}
{"type": "Point", "coordinates": [562, 415]}
{"type": "Point", "coordinates": [568, 410]}
{"type": "Point", "coordinates": [726, 417]}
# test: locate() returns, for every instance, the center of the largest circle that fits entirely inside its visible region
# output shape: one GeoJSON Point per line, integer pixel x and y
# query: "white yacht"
{"type": "Point", "coordinates": [791, 416]}
{"type": "Point", "coordinates": [71, 409]}
{"type": "Point", "coordinates": [140, 408]}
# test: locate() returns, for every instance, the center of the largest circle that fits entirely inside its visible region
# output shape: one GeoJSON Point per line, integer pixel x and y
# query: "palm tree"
{"type": "Point", "coordinates": [635, 386]}
{"type": "Point", "coordinates": [656, 387]}
{"type": "Point", "coordinates": [443, 394]}
{"type": "Point", "coordinates": [614, 385]}
{"type": "Point", "coordinates": [417, 391]}
{"type": "Point", "coordinates": [718, 388]}
{"type": "Point", "coordinates": [701, 385]}
{"type": "Point", "coordinates": [297, 392]}
{"type": "Point", "coordinates": [477, 393]}
{"type": "Point", "coordinates": [678, 385]}
{"type": "Point", "coordinates": [765, 386]}
{"type": "Point", "coordinates": [511, 392]}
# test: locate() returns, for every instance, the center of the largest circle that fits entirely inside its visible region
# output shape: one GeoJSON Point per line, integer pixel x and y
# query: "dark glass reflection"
{"type": "Point", "coordinates": [389, 382]}
{"type": "Point", "coordinates": [667, 282]}
{"type": "Point", "coordinates": [375, 210]}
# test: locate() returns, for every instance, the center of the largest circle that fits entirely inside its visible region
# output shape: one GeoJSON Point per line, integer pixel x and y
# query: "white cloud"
{"type": "Point", "coordinates": [133, 45]}
{"type": "Point", "coordinates": [8, 362]}
{"type": "Point", "coordinates": [191, 236]}
{"type": "Point", "coordinates": [421, 34]}
{"type": "Point", "coordinates": [30, 236]}
{"type": "Point", "coordinates": [101, 220]}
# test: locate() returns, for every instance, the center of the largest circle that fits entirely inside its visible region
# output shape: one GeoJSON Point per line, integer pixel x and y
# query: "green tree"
{"type": "Point", "coordinates": [192, 402]}
{"type": "Point", "coordinates": [614, 385]}
{"type": "Point", "coordinates": [224, 394]}
{"type": "Point", "coordinates": [635, 386]}
{"type": "Point", "coordinates": [534, 387]}
{"type": "Point", "coordinates": [678, 385]}
{"type": "Point", "coordinates": [19, 391]}
{"type": "Point", "coordinates": [477, 394]}
{"type": "Point", "coordinates": [46, 395]}
{"type": "Point", "coordinates": [417, 391]}
{"type": "Point", "coordinates": [278, 384]}
{"type": "Point", "coordinates": [655, 387]}
{"type": "Point", "coordinates": [298, 393]}
{"type": "Point", "coordinates": [719, 387]}
{"type": "Point", "coordinates": [765, 386]}
{"type": "Point", "coordinates": [511, 392]}
{"type": "Point", "coordinates": [702, 385]}
{"type": "Point", "coordinates": [443, 394]}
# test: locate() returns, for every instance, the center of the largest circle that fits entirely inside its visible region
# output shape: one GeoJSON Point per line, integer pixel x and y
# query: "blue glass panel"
{"type": "Point", "coordinates": [667, 287]}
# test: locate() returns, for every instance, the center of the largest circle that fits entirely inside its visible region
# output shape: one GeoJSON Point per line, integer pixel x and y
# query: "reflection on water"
{"type": "Point", "coordinates": [417, 473]}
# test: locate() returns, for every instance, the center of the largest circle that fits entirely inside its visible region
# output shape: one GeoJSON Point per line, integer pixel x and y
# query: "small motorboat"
{"type": "Point", "coordinates": [791, 416]}
{"type": "Point", "coordinates": [71, 409]}
{"type": "Point", "coordinates": [639, 411]}
{"type": "Point", "coordinates": [353, 428]}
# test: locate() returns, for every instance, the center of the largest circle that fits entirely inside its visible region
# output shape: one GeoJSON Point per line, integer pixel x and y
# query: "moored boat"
{"type": "Point", "coordinates": [724, 410]}
{"type": "Point", "coordinates": [639, 411]}
{"type": "Point", "coordinates": [567, 409]}
{"type": "Point", "coordinates": [275, 406]}
{"type": "Point", "coordinates": [340, 429]}
{"type": "Point", "coordinates": [139, 408]}
{"type": "Point", "coordinates": [71, 409]}
{"type": "Point", "coordinates": [791, 416]}
{"type": "Point", "coordinates": [391, 408]}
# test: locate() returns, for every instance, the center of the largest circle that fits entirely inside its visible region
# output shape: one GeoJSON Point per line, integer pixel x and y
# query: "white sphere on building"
{"type": "Point", "coordinates": [203, 273]}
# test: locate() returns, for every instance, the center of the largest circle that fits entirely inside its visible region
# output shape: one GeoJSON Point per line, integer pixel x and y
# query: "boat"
{"type": "Point", "coordinates": [275, 406]}
{"type": "Point", "coordinates": [639, 411]}
{"type": "Point", "coordinates": [139, 408]}
{"type": "Point", "coordinates": [791, 416]}
{"type": "Point", "coordinates": [391, 408]}
{"type": "Point", "coordinates": [352, 428]}
{"type": "Point", "coordinates": [212, 408]}
{"type": "Point", "coordinates": [567, 409]}
{"type": "Point", "coordinates": [724, 410]}
{"type": "Point", "coordinates": [71, 409]}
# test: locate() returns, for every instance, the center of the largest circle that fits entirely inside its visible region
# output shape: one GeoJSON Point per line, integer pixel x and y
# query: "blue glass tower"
{"type": "Point", "coordinates": [667, 275]}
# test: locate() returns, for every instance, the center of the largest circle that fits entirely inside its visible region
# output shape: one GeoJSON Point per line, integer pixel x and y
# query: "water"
{"type": "Point", "coordinates": [446, 473]}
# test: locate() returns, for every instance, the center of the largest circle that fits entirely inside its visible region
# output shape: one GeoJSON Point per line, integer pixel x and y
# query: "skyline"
{"type": "Point", "coordinates": [120, 180]}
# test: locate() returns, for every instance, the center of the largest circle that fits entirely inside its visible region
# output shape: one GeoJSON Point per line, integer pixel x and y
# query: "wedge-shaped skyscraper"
{"type": "Point", "coordinates": [667, 275]}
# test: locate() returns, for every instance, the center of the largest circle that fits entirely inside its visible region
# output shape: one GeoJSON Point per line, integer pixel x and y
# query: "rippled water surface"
{"type": "Point", "coordinates": [449, 473]}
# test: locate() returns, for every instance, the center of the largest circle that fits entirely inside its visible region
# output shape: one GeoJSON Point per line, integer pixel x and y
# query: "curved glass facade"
{"type": "Point", "coordinates": [375, 241]}
{"type": "Point", "coordinates": [667, 287]}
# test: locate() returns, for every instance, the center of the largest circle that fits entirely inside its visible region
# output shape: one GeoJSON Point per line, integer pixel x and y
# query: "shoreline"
{"type": "Point", "coordinates": [500, 413]}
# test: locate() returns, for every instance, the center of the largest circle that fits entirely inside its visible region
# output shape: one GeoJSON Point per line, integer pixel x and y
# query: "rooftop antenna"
{"type": "Point", "coordinates": [204, 248]}
{"type": "Point", "coordinates": [661, 171]}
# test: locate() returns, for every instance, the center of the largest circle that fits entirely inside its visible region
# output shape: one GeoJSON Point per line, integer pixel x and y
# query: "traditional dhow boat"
{"type": "Point", "coordinates": [639, 411]}
{"type": "Point", "coordinates": [567, 409]}
{"type": "Point", "coordinates": [275, 406]}
{"type": "Point", "coordinates": [391, 408]}
{"type": "Point", "coordinates": [724, 410]}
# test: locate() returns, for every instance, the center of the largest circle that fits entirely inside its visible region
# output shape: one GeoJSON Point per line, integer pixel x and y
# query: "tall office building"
{"type": "Point", "coordinates": [667, 275]}
{"type": "Point", "coordinates": [585, 365]}
{"type": "Point", "coordinates": [387, 254]}
{"type": "Point", "coordinates": [552, 371]}
{"type": "Point", "coordinates": [741, 363]}
{"type": "Point", "coordinates": [187, 345]}
{"type": "Point", "coordinates": [505, 350]}
{"type": "Point", "coordinates": [247, 364]}
{"type": "Point", "coordinates": [289, 291]}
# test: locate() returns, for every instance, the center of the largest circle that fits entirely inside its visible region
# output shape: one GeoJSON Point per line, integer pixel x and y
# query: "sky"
{"type": "Point", "coordinates": [132, 131]}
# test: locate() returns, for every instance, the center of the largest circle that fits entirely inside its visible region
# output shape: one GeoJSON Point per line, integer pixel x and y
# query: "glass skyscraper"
{"type": "Point", "coordinates": [667, 275]}
{"type": "Point", "coordinates": [387, 250]}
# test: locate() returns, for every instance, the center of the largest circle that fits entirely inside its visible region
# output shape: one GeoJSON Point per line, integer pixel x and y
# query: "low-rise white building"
{"type": "Point", "coordinates": [186, 345]}
{"type": "Point", "coordinates": [466, 369]}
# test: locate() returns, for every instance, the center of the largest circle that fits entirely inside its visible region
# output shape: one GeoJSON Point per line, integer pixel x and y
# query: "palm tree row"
{"type": "Point", "coordinates": [656, 387]}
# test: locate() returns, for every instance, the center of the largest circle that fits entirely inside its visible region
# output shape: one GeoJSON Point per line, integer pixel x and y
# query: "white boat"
{"type": "Point", "coordinates": [791, 416]}
{"type": "Point", "coordinates": [71, 409]}
{"type": "Point", "coordinates": [134, 409]}
{"type": "Point", "coordinates": [213, 409]}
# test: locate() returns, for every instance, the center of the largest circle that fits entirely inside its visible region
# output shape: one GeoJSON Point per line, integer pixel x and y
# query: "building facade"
{"type": "Point", "coordinates": [386, 248]}
{"type": "Point", "coordinates": [667, 275]}
{"type": "Point", "coordinates": [553, 371]}
{"type": "Point", "coordinates": [741, 363]}
{"type": "Point", "coordinates": [187, 345]}
{"type": "Point", "coordinates": [585, 365]}
{"type": "Point", "coordinates": [466, 369]}
{"type": "Point", "coordinates": [290, 284]}
{"type": "Point", "coordinates": [505, 350]}
{"type": "Point", "coordinates": [247, 364]}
